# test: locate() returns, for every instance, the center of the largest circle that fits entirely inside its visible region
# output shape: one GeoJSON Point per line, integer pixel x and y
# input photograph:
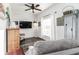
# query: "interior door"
{"type": "Point", "coordinates": [68, 26]}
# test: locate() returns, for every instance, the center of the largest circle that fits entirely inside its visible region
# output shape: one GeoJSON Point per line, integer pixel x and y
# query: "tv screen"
{"type": "Point", "coordinates": [25, 24]}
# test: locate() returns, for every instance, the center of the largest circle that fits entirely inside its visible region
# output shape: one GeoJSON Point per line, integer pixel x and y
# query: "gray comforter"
{"type": "Point", "coordinates": [58, 47]}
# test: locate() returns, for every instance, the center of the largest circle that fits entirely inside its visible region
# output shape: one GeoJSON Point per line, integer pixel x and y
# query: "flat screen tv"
{"type": "Point", "coordinates": [25, 24]}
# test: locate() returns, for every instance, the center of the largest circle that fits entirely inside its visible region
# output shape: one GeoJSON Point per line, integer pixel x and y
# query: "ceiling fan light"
{"type": "Point", "coordinates": [34, 22]}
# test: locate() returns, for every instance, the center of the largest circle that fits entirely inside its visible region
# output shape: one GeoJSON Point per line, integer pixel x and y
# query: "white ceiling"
{"type": "Point", "coordinates": [20, 7]}
{"type": "Point", "coordinates": [18, 10]}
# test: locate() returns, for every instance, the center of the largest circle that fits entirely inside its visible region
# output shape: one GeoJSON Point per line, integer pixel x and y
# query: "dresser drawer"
{"type": "Point", "coordinates": [17, 44]}
{"type": "Point", "coordinates": [13, 39]}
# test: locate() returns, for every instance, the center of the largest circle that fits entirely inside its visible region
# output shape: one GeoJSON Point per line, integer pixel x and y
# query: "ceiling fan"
{"type": "Point", "coordinates": [32, 7]}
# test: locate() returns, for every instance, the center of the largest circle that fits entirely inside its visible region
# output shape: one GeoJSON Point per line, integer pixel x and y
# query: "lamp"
{"type": "Point", "coordinates": [34, 21]}
{"type": "Point", "coordinates": [2, 11]}
{"type": "Point", "coordinates": [1, 8]}
{"type": "Point", "coordinates": [35, 24]}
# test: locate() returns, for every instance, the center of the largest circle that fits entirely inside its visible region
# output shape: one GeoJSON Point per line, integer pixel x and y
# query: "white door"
{"type": "Point", "coordinates": [68, 26]}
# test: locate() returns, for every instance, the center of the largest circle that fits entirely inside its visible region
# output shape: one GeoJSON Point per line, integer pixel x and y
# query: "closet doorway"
{"type": "Point", "coordinates": [70, 26]}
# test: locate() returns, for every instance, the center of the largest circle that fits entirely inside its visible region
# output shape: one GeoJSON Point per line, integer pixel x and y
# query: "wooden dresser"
{"type": "Point", "coordinates": [13, 39]}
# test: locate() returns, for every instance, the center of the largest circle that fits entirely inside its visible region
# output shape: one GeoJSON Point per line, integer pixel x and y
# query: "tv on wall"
{"type": "Point", "coordinates": [25, 24]}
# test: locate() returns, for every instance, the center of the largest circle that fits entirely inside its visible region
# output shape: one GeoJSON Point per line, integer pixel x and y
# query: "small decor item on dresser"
{"type": "Point", "coordinates": [13, 25]}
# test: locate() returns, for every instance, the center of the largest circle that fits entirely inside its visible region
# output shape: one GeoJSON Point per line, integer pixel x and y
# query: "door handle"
{"type": "Point", "coordinates": [71, 29]}
{"type": "Point", "coordinates": [66, 24]}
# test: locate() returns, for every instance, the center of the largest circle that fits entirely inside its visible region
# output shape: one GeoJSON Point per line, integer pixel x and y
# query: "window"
{"type": "Point", "coordinates": [46, 26]}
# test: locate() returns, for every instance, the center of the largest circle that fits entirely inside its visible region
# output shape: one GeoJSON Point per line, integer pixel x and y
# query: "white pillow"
{"type": "Point", "coordinates": [43, 47]}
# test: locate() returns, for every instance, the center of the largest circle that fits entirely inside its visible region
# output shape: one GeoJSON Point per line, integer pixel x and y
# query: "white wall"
{"type": "Point", "coordinates": [29, 32]}
{"type": "Point", "coordinates": [2, 42]}
{"type": "Point", "coordinates": [18, 13]}
{"type": "Point", "coordinates": [58, 8]}
{"type": "Point", "coordinates": [3, 25]}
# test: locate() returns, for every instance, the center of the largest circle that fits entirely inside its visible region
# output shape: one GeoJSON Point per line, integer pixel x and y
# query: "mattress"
{"type": "Point", "coordinates": [73, 51]}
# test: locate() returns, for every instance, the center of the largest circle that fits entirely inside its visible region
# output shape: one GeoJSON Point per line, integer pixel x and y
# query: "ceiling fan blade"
{"type": "Point", "coordinates": [27, 5]}
{"type": "Point", "coordinates": [38, 9]}
{"type": "Point", "coordinates": [32, 5]}
{"type": "Point", "coordinates": [27, 9]}
{"type": "Point", "coordinates": [37, 5]}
